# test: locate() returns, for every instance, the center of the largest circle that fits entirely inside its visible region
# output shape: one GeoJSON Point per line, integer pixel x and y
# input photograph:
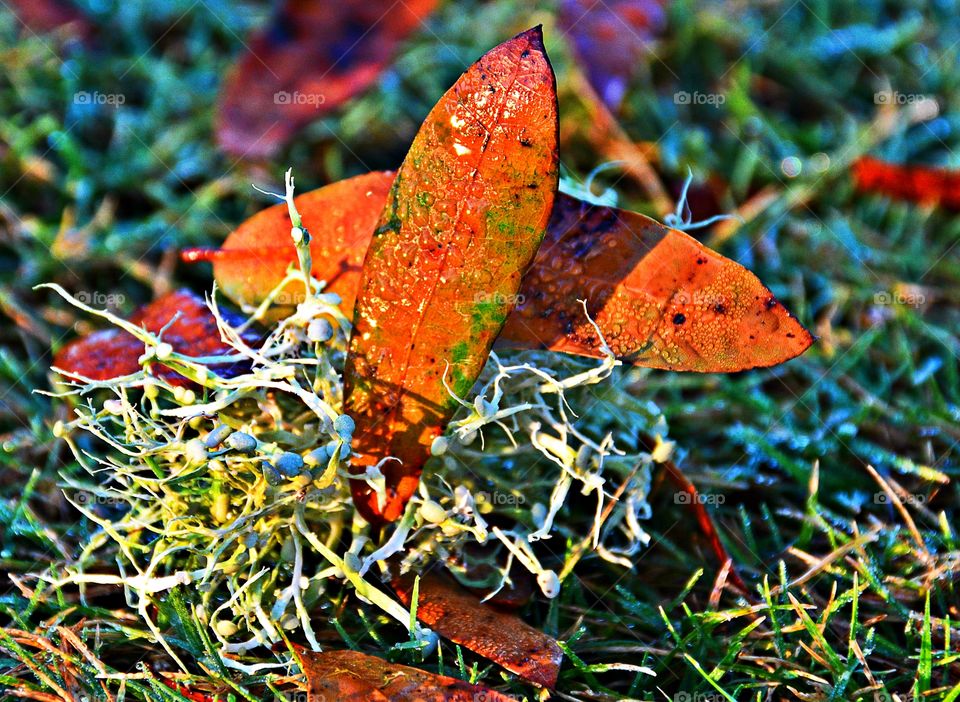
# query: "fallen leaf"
{"type": "Point", "coordinates": [504, 638]}
{"type": "Point", "coordinates": [313, 57]}
{"type": "Point", "coordinates": [692, 498]}
{"type": "Point", "coordinates": [661, 298]}
{"type": "Point", "coordinates": [352, 676]}
{"type": "Point", "coordinates": [340, 217]}
{"type": "Point", "coordinates": [111, 353]}
{"type": "Point", "coordinates": [611, 38]}
{"type": "Point", "coordinates": [920, 184]}
{"type": "Point", "coordinates": [464, 218]}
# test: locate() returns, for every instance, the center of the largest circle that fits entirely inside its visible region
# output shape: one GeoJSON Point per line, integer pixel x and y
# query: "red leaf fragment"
{"type": "Point", "coordinates": [313, 57]}
{"type": "Point", "coordinates": [504, 638]}
{"type": "Point", "coordinates": [111, 353]}
{"type": "Point", "coordinates": [464, 218]}
{"type": "Point", "coordinates": [352, 676]}
{"type": "Point", "coordinates": [923, 185]}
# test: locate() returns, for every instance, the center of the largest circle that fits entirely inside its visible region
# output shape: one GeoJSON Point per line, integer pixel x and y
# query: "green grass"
{"type": "Point", "coordinates": [849, 600]}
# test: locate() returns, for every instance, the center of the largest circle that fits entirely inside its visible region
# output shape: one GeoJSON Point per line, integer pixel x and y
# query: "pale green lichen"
{"type": "Point", "coordinates": [240, 488]}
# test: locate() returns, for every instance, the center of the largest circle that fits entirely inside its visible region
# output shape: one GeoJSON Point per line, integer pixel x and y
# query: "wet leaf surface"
{"type": "Point", "coordinates": [111, 353]}
{"type": "Point", "coordinates": [312, 57]}
{"type": "Point", "coordinates": [352, 676]}
{"type": "Point", "coordinates": [661, 298]}
{"type": "Point", "coordinates": [504, 638]}
{"type": "Point", "coordinates": [464, 218]}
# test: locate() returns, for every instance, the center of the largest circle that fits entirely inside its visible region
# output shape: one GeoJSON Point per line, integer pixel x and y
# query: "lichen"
{"type": "Point", "coordinates": [239, 487]}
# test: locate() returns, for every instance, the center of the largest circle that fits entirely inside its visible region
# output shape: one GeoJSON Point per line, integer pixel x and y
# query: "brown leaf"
{"type": "Point", "coordinates": [113, 352]}
{"type": "Point", "coordinates": [464, 218]}
{"type": "Point", "coordinates": [504, 638]}
{"type": "Point", "coordinates": [313, 57]}
{"type": "Point", "coordinates": [352, 676]}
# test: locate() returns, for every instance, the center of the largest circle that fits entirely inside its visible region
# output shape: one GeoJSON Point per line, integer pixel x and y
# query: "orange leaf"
{"type": "Point", "coordinates": [113, 352]}
{"type": "Point", "coordinates": [636, 275]}
{"type": "Point", "coordinates": [313, 57]}
{"type": "Point", "coordinates": [921, 184]}
{"type": "Point", "coordinates": [660, 297]}
{"type": "Point", "coordinates": [340, 218]}
{"type": "Point", "coordinates": [504, 638]}
{"type": "Point", "coordinates": [352, 676]}
{"type": "Point", "coordinates": [464, 218]}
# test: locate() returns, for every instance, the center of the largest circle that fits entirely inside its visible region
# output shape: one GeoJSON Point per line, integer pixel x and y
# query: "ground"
{"type": "Point", "coordinates": [832, 478]}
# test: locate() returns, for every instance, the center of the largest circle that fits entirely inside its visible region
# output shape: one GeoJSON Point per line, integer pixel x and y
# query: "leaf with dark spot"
{"type": "Point", "coordinates": [660, 297]}
{"type": "Point", "coordinates": [111, 353]}
{"type": "Point", "coordinates": [639, 279]}
{"type": "Point", "coordinates": [313, 57]}
{"type": "Point", "coordinates": [504, 638]}
{"type": "Point", "coordinates": [352, 676]}
{"type": "Point", "coordinates": [444, 266]}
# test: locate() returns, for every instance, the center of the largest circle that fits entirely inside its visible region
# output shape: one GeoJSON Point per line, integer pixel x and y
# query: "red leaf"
{"type": "Point", "coordinates": [184, 690]}
{"type": "Point", "coordinates": [464, 218]}
{"type": "Point", "coordinates": [504, 638]}
{"type": "Point", "coordinates": [921, 184]}
{"type": "Point", "coordinates": [352, 676]}
{"type": "Point", "coordinates": [636, 275]}
{"type": "Point", "coordinates": [113, 352]}
{"type": "Point", "coordinates": [313, 57]}
{"type": "Point", "coordinates": [612, 39]}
